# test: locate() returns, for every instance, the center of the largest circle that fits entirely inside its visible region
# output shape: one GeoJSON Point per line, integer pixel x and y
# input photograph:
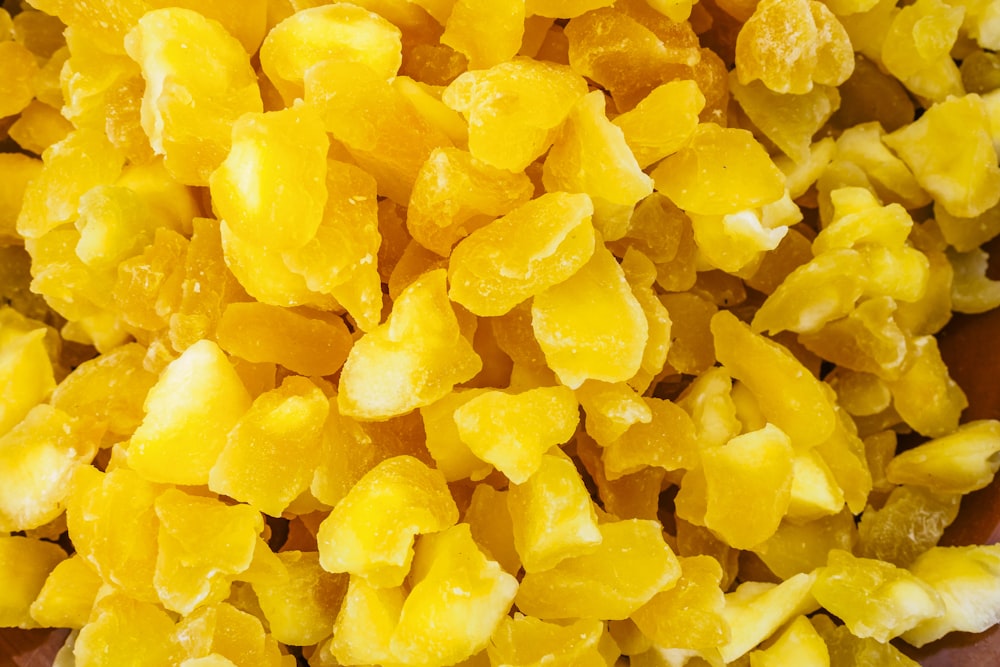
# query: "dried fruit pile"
{"type": "Point", "coordinates": [433, 332]}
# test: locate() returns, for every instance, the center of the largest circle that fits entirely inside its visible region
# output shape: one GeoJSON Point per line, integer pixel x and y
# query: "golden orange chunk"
{"type": "Point", "coordinates": [925, 396]}
{"type": "Point", "coordinates": [563, 8]}
{"type": "Point", "coordinates": [370, 532]}
{"type": "Point", "coordinates": [451, 454]}
{"type": "Point", "coordinates": [16, 171]}
{"type": "Point", "coordinates": [25, 563]}
{"type": "Point", "coordinates": [189, 411]}
{"type": "Point", "coordinates": [148, 286]}
{"type": "Point", "coordinates": [553, 516]}
{"type": "Point", "coordinates": [572, 323]}
{"type": "Point", "coordinates": [721, 170]}
{"type": "Point", "coordinates": [649, 133]}
{"type": "Point", "coordinates": [756, 610]}
{"type": "Point", "coordinates": [815, 491]}
{"type": "Point", "coordinates": [667, 440]}
{"type": "Point", "coordinates": [458, 598]}
{"type": "Point", "coordinates": [123, 630]}
{"type": "Point", "coordinates": [593, 586]}
{"type": "Point", "coordinates": [341, 31]}
{"type": "Point", "coordinates": [272, 451]}
{"type": "Point", "coordinates": [415, 358]}
{"type": "Point", "coordinates": [513, 431]}
{"type": "Point", "coordinates": [188, 108]}
{"type": "Point", "coordinates": [24, 364]}
{"type": "Point", "coordinates": [874, 598]}
{"type": "Point", "coordinates": [487, 33]}
{"type": "Point", "coordinates": [301, 600]}
{"type": "Point", "coordinates": [271, 187]}
{"type": "Point", "coordinates": [537, 245]}
{"type": "Point", "coordinates": [799, 547]}
{"type": "Point", "coordinates": [735, 242]}
{"type": "Point", "coordinates": [302, 342]}
{"type": "Point", "coordinates": [17, 88]}
{"type": "Point", "coordinates": [202, 544]}
{"type": "Point", "coordinates": [959, 462]}
{"type": "Point", "coordinates": [523, 641]}
{"type": "Point", "coordinates": [514, 109]}
{"type": "Point", "coordinates": [967, 233]}
{"type": "Point", "coordinates": [67, 596]}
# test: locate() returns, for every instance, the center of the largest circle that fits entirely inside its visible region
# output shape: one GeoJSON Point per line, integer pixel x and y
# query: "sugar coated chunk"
{"type": "Point", "coordinates": [26, 563]}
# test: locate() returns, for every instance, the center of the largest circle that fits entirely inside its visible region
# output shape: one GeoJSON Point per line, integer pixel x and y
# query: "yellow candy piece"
{"type": "Point", "coordinates": [571, 323]}
{"type": "Point", "coordinates": [271, 453]}
{"type": "Point", "coordinates": [458, 598]}
{"type": "Point", "coordinates": [301, 600]}
{"type": "Point", "coordinates": [514, 109]}
{"type": "Point", "coordinates": [611, 409]}
{"type": "Point", "coordinates": [122, 629]}
{"type": "Point", "coordinates": [370, 532]}
{"type": "Point", "coordinates": [202, 544]}
{"type": "Point", "coordinates": [451, 454]}
{"type": "Point", "coordinates": [925, 396]}
{"type": "Point", "coordinates": [647, 132]}
{"type": "Point", "coordinates": [20, 69]}
{"type": "Point", "coordinates": [488, 516]}
{"type": "Point", "coordinates": [916, 48]}
{"type": "Point", "coordinates": [341, 31]}
{"type": "Point", "coordinates": [16, 170]}
{"type": "Point", "coordinates": [553, 516]}
{"type": "Point", "coordinates": [959, 462]}
{"type": "Point", "coordinates": [523, 641]}
{"type": "Point", "coordinates": [801, 547]}
{"type": "Point", "coordinates": [25, 367]}
{"type": "Point", "coordinates": [364, 627]}
{"type": "Point", "coordinates": [67, 596]}
{"type": "Point", "coordinates": [668, 440]}
{"type": "Point", "coordinates": [588, 586]}
{"type": "Point", "coordinates": [756, 610]}
{"type": "Point", "coordinates": [38, 127]}
{"type": "Point", "coordinates": [910, 522]}
{"type": "Point", "coordinates": [25, 563]}
{"type": "Point", "coordinates": [415, 358]}
{"type": "Point", "coordinates": [971, 290]}
{"type": "Point", "coordinates": [798, 644]}
{"type": "Point", "coordinates": [196, 401]}
{"type": "Point", "coordinates": [485, 31]}
{"type": "Point", "coordinates": [815, 491]}
{"type": "Point", "coordinates": [845, 647]}
{"type": "Point", "coordinates": [271, 187]}
{"type": "Point", "coordinates": [223, 632]}
{"type": "Point", "coordinates": [537, 245]}
{"type": "Point", "coordinates": [720, 171]}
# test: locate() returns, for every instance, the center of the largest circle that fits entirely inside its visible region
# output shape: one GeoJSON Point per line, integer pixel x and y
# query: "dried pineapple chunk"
{"type": "Point", "coordinates": [123, 630]}
{"type": "Point", "coordinates": [523, 641]}
{"type": "Point", "coordinates": [960, 462]}
{"type": "Point", "coordinates": [755, 610]}
{"type": "Point", "coordinates": [646, 132]}
{"type": "Point", "coordinates": [487, 32]}
{"type": "Point", "coordinates": [25, 563]}
{"type": "Point", "coordinates": [300, 600]}
{"type": "Point", "coordinates": [68, 595]}
{"type": "Point", "coordinates": [799, 644]}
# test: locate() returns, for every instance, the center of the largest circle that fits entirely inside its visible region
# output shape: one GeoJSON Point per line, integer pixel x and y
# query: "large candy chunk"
{"type": "Point", "coordinates": [522, 641]}
{"type": "Point", "coordinates": [370, 532]}
{"type": "Point", "coordinates": [486, 31]}
{"type": "Point", "coordinates": [412, 360]}
{"type": "Point", "coordinates": [68, 595]}
{"type": "Point", "coordinates": [959, 462]}
{"type": "Point", "coordinates": [123, 630]}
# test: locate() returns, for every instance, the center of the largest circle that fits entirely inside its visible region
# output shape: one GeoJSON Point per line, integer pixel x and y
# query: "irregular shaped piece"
{"type": "Point", "coordinates": [755, 610]}
{"type": "Point", "coordinates": [925, 396]}
{"type": "Point", "coordinates": [341, 31]}
{"type": "Point", "coordinates": [797, 548]}
{"type": "Point", "coordinates": [611, 409]}
{"type": "Point", "coordinates": [364, 626]}
{"type": "Point", "coordinates": [458, 598]}
{"type": "Point", "coordinates": [910, 522]}
{"type": "Point", "coordinates": [846, 649]}
{"type": "Point", "coordinates": [960, 462]}
{"type": "Point", "coordinates": [523, 641]}
{"type": "Point", "coordinates": [815, 492]}
{"type": "Point", "coordinates": [123, 630]}
{"type": "Point", "coordinates": [272, 452]}
{"type": "Point", "coordinates": [16, 171]}
{"type": "Point", "coordinates": [662, 122]}
{"type": "Point", "coordinates": [514, 109]}
{"type": "Point", "coordinates": [916, 48]}
{"type": "Point", "coordinates": [412, 360]}
{"type": "Point", "coordinates": [301, 600]}
{"type": "Point", "coordinates": [451, 454]}
{"type": "Point", "coordinates": [25, 563]}
{"type": "Point", "coordinates": [591, 326]}
{"type": "Point", "coordinates": [223, 632]}
{"type": "Point", "coordinates": [971, 290]}
{"type": "Point", "coordinates": [492, 528]}
{"type": "Point", "coordinates": [668, 440]}
{"type": "Point", "coordinates": [191, 99]}
{"type": "Point", "coordinates": [631, 565]}
{"type": "Point", "coordinates": [537, 245]}
{"type": "Point", "coordinates": [25, 367]}
{"type": "Point", "coordinates": [189, 411]}
{"type": "Point", "coordinates": [487, 32]}
{"type": "Point", "coordinates": [735, 242]}
{"type": "Point", "coordinates": [370, 531]}
{"type": "Point", "coordinates": [20, 69]}
{"type": "Point", "coordinates": [513, 431]}
{"type": "Point", "coordinates": [68, 595]}
{"type": "Point", "coordinates": [799, 644]}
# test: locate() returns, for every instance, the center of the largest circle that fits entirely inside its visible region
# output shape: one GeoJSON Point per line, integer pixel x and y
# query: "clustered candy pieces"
{"type": "Point", "coordinates": [442, 332]}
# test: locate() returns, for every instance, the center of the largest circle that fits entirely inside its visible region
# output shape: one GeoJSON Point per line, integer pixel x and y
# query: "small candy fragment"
{"type": "Point", "coordinates": [513, 431]}
{"type": "Point", "coordinates": [799, 644]}
{"type": "Point", "coordinates": [755, 610]}
{"type": "Point", "coordinates": [370, 531]}
{"type": "Point", "coordinates": [846, 649]}
{"type": "Point", "coordinates": [910, 522]}
{"type": "Point", "coordinates": [451, 454]}
{"type": "Point", "coordinates": [488, 516]}
{"type": "Point", "coordinates": [667, 440]}
{"type": "Point", "coordinates": [67, 596]}
{"type": "Point", "coordinates": [611, 409]}
{"type": "Point", "coordinates": [916, 48]}
{"type": "Point", "coordinates": [223, 632]}
{"type": "Point", "coordinates": [24, 364]}
{"type": "Point", "coordinates": [925, 396]}
{"type": "Point", "coordinates": [25, 563]}
{"type": "Point", "coordinates": [662, 122]}
{"type": "Point", "coordinates": [364, 626]}
{"type": "Point", "coordinates": [17, 88]}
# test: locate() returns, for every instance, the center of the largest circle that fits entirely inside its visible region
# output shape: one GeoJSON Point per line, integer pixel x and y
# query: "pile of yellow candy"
{"type": "Point", "coordinates": [492, 332]}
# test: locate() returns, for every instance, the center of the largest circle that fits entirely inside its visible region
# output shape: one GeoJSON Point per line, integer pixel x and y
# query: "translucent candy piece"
{"type": "Point", "coordinates": [537, 245]}
{"type": "Point", "coordinates": [412, 360]}
{"type": "Point", "coordinates": [815, 492]}
{"type": "Point", "coordinates": [967, 234]}
{"type": "Point", "coordinates": [37, 459]}
{"type": "Point", "coordinates": [486, 32]}
{"type": "Point", "coordinates": [227, 633]}
{"type": "Point", "coordinates": [122, 630]}
{"type": "Point", "coordinates": [721, 170]}
{"type": "Point", "coordinates": [514, 109]}
{"type": "Point", "coordinates": [846, 649]}
{"type": "Point", "coordinates": [734, 242]}
{"type": "Point", "coordinates": [756, 610]}
{"type": "Point", "coordinates": [587, 586]}
{"type": "Point", "coordinates": [513, 431]}
{"type": "Point", "coordinates": [381, 129]}
{"type": "Point", "coordinates": [271, 187]}
{"type": "Point", "coordinates": [798, 644]}
{"type": "Point", "coordinates": [916, 48]}
{"type": "Point", "coordinates": [956, 161]}
{"type": "Point", "coordinates": [668, 440]}
{"type": "Point", "coordinates": [910, 522]}
{"type": "Point", "coordinates": [25, 563]}
{"type": "Point", "coordinates": [202, 544]}
{"type": "Point", "coordinates": [38, 127]}
{"type": "Point", "coordinates": [688, 615]}
{"type": "Point", "coordinates": [188, 108]}
{"type": "Point", "coordinates": [492, 527]}
{"type": "Point", "coordinates": [874, 599]}
{"type": "Point", "coordinates": [971, 290]}
{"type": "Point", "coordinates": [67, 596]}
{"type": "Point", "coordinates": [523, 640]}
{"type": "Point", "coordinates": [925, 396]}
{"type": "Point", "coordinates": [553, 515]}
{"type": "Point", "coordinates": [965, 579]}
{"type": "Point", "coordinates": [16, 170]}
{"type": "Point", "coordinates": [364, 626]}
{"type": "Point", "coordinates": [590, 155]}
{"type": "Point", "coordinates": [25, 367]}
{"type": "Point", "coordinates": [790, 397]}
{"type": "Point", "coordinates": [571, 323]}
{"type": "Point", "coordinates": [196, 401]}
{"type": "Point", "coordinates": [801, 547]}
{"type": "Point", "coordinates": [370, 531]}
{"type": "Point", "coordinates": [341, 31]}
{"type": "Point", "coordinates": [611, 409]}
{"type": "Point", "coordinates": [20, 68]}
{"type": "Point", "coordinates": [649, 134]}
{"type": "Point", "coordinates": [301, 600]}
{"type": "Point", "coordinates": [272, 452]}
{"type": "Point", "coordinates": [451, 454]}
{"type": "Point", "coordinates": [454, 194]}
{"type": "Point", "coordinates": [960, 462]}
{"type": "Point", "coordinates": [563, 8]}
{"type": "Point", "coordinates": [458, 598]}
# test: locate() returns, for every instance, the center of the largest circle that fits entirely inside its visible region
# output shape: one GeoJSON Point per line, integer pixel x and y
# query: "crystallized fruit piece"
{"type": "Point", "coordinates": [458, 597]}
{"type": "Point", "coordinates": [960, 462]}
{"type": "Point", "coordinates": [514, 109]}
{"type": "Point", "coordinates": [799, 644]}
{"type": "Point", "coordinates": [846, 649]}
{"type": "Point", "coordinates": [451, 454]}
{"type": "Point", "coordinates": [917, 45]}
{"type": "Point", "coordinates": [24, 365]}
{"type": "Point", "coordinates": [523, 640]}
{"type": "Point", "coordinates": [537, 245]}
{"type": "Point", "coordinates": [25, 563]}
{"type": "Point", "coordinates": [591, 326]}
{"type": "Point", "coordinates": [341, 31]}
{"type": "Point", "coordinates": [224, 633]}
{"type": "Point", "coordinates": [663, 121]}
{"type": "Point", "coordinates": [910, 522]}
{"type": "Point", "coordinates": [300, 600]}
{"type": "Point", "coordinates": [629, 567]}
{"type": "Point", "coordinates": [67, 596]}
{"type": "Point", "coordinates": [756, 610]}
{"type": "Point", "coordinates": [487, 32]}
{"type": "Point", "coordinates": [370, 531]}
{"type": "Point", "coordinates": [611, 409]}
{"type": "Point", "coordinates": [415, 358]}
{"type": "Point", "coordinates": [667, 440]}
{"type": "Point", "coordinates": [192, 96]}
{"type": "Point", "coordinates": [20, 69]}
{"type": "Point", "coordinates": [801, 547]}
{"type": "Point", "coordinates": [271, 453]}
{"type": "Point", "coordinates": [364, 626]}
{"type": "Point", "coordinates": [925, 396]}
{"type": "Point", "coordinates": [123, 630]}
{"type": "Point", "coordinates": [513, 431]}
{"type": "Point", "coordinates": [196, 401]}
